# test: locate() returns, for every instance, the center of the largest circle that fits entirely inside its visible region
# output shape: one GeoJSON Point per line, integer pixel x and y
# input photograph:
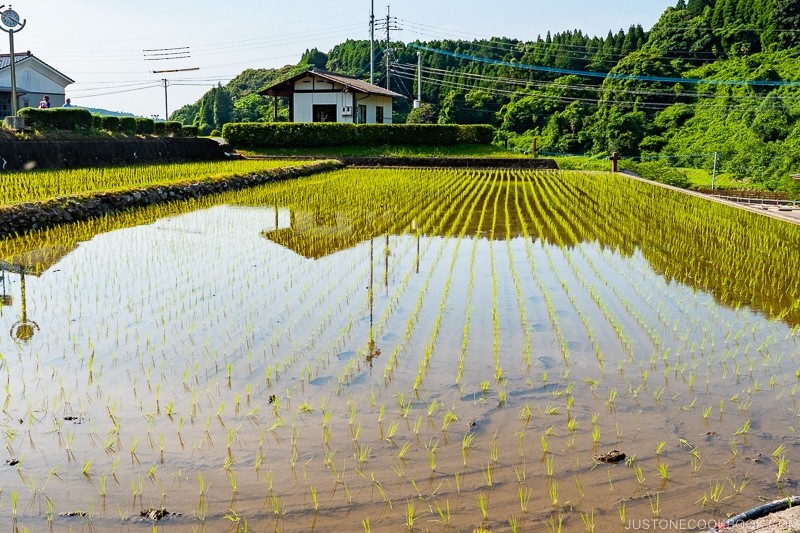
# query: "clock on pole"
{"type": "Point", "coordinates": [11, 24]}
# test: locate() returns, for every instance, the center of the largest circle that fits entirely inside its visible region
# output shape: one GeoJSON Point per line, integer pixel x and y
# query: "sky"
{"type": "Point", "coordinates": [101, 43]}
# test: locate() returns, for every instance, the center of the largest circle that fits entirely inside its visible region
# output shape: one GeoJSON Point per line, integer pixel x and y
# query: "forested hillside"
{"type": "Point", "coordinates": [678, 92]}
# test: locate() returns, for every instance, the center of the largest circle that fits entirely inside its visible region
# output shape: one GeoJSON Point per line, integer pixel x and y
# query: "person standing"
{"type": "Point", "coordinates": [68, 103]}
{"type": "Point", "coordinates": [45, 103]}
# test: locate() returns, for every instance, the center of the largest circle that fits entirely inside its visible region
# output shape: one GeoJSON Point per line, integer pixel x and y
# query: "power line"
{"type": "Point", "coordinates": [611, 75]}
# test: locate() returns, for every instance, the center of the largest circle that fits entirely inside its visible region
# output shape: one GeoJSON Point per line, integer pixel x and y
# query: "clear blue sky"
{"type": "Point", "coordinates": [100, 43]}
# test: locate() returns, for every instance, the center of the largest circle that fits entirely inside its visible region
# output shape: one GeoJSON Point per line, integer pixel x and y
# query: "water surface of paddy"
{"type": "Point", "coordinates": [417, 349]}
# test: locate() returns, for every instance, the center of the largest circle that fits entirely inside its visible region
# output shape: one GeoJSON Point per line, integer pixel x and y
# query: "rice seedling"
{"type": "Point", "coordinates": [483, 504]}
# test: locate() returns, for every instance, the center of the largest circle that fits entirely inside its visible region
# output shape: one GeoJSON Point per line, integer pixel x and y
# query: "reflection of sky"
{"type": "Point", "coordinates": [192, 294]}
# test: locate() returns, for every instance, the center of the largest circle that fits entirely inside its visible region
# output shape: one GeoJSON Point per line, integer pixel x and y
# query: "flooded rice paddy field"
{"type": "Point", "coordinates": [401, 350]}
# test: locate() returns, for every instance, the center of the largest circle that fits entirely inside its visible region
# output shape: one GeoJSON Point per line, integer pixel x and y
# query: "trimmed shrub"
{"type": "Point", "coordinates": [189, 131]}
{"type": "Point", "coordinates": [215, 133]}
{"type": "Point", "coordinates": [127, 125]}
{"type": "Point", "coordinates": [476, 134]}
{"type": "Point", "coordinates": [159, 128]}
{"type": "Point", "coordinates": [173, 128]}
{"type": "Point", "coordinates": [58, 118]}
{"type": "Point", "coordinates": [145, 126]}
{"type": "Point", "coordinates": [306, 135]}
{"type": "Point", "coordinates": [110, 123]}
{"type": "Point", "coordinates": [288, 134]}
{"type": "Point", "coordinates": [97, 122]}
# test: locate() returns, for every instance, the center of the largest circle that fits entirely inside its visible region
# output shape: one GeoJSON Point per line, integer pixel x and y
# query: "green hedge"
{"type": "Point", "coordinates": [145, 126]}
{"type": "Point", "coordinates": [57, 119]}
{"type": "Point", "coordinates": [110, 123]}
{"type": "Point", "coordinates": [127, 125]}
{"type": "Point", "coordinates": [189, 131]}
{"type": "Point", "coordinates": [159, 128]}
{"type": "Point", "coordinates": [97, 122]}
{"type": "Point", "coordinates": [306, 135]}
{"type": "Point", "coordinates": [173, 128]}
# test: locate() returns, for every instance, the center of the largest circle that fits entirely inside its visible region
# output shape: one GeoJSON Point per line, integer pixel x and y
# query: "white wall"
{"type": "Point", "coordinates": [373, 102]}
{"type": "Point", "coordinates": [304, 101]}
{"type": "Point", "coordinates": [31, 79]}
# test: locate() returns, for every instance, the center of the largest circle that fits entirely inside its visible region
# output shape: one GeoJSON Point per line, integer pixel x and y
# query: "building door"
{"type": "Point", "coordinates": [325, 113]}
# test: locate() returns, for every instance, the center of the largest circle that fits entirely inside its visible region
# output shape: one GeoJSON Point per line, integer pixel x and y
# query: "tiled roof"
{"type": "Point", "coordinates": [5, 59]}
{"type": "Point", "coordinates": [350, 82]}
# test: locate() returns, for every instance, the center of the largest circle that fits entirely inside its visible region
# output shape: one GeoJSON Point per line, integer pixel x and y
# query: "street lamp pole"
{"type": "Point", "coordinates": [10, 20]}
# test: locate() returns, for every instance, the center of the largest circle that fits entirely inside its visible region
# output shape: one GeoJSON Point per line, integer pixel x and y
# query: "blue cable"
{"type": "Point", "coordinates": [760, 83]}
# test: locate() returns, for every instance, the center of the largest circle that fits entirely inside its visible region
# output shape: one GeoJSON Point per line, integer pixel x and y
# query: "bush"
{"type": "Point", "coordinates": [476, 134]}
{"type": "Point", "coordinates": [288, 134]}
{"type": "Point", "coordinates": [97, 122]}
{"type": "Point", "coordinates": [189, 131]}
{"type": "Point", "coordinates": [127, 125]}
{"type": "Point", "coordinates": [58, 118]}
{"type": "Point", "coordinates": [110, 123]}
{"type": "Point", "coordinates": [159, 128]}
{"type": "Point", "coordinates": [306, 135]}
{"type": "Point", "coordinates": [173, 128]}
{"type": "Point", "coordinates": [145, 126]}
{"type": "Point", "coordinates": [215, 133]}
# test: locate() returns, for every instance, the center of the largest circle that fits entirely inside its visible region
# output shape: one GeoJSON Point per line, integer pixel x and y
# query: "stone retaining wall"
{"type": "Point", "coordinates": [21, 218]}
{"type": "Point", "coordinates": [25, 155]}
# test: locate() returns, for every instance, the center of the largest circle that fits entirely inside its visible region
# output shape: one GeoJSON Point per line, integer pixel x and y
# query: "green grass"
{"type": "Point", "coordinates": [701, 179]}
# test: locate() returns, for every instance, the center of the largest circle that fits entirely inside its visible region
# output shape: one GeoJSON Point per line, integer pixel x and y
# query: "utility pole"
{"type": "Point", "coordinates": [165, 82]}
{"type": "Point", "coordinates": [418, 103]}
{"type": "Point", "coordinates": [372, 44]}
{"type": "Point", "coordinates": [714, 175]}
{"type": "Point", "coordinates": [389, 24]}
{"type": "Point", "coordinates": [388, 49]}
{"type": "Point", "coordinates": [166, 104]}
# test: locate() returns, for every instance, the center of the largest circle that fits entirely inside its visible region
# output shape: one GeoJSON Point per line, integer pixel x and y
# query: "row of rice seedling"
{"type": "Point", "coordinates": [35, 185]}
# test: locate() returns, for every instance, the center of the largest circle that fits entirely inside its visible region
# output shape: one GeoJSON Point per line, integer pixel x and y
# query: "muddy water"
{"type": "Point", "coordinates": [417, 350]}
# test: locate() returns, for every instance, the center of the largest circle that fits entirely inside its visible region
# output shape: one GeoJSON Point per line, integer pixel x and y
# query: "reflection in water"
{"type": "Point", "coordinates": [33, 262]}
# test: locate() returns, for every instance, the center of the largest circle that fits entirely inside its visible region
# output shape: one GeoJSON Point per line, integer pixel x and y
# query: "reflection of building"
{"type": "Point", "coordinates": [321, 96]}
{"type": "Point", "coordinates": [317, 234]}
{"type": "Point", "coordinates": [35, 78]}
{"type": "Point", "coordinates": [33, 262]}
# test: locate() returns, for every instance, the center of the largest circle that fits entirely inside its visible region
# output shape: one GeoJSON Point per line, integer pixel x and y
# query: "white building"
{"type": "Point", "coordinates": [35, 78]}
{"type": "Point", "coordinates": [321, 96]}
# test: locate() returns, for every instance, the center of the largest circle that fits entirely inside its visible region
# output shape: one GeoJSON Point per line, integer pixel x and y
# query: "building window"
{"type": "Point", "coordinates": [379, 115]}
{"type": "Point", "coordinates": [325, 113]}
{"type": "Point", "coordinates": [362, 114]}
{"type": "Point", "coordinates": [26, 103]}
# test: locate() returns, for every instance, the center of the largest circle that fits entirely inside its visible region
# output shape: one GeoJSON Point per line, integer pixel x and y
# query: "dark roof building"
{"type": "Point", "coordinates": [321, 96]}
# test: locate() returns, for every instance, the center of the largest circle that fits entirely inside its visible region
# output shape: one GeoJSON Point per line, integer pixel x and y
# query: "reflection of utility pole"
{"type": "Point", "coordinates": [372, 350]}
{"type": "Point", "coordinates": [24, 329]}
{"type": "Point", "coordinates": [386, 265]}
